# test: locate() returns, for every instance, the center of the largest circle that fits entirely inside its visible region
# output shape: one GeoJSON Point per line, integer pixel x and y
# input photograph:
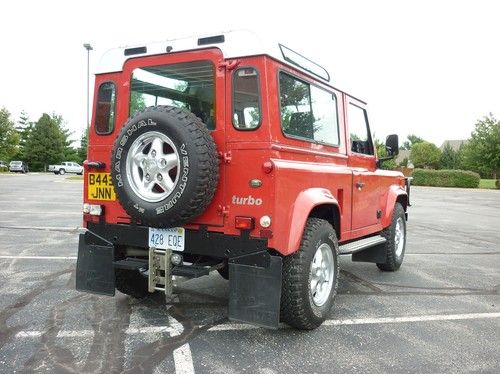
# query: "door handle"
{"type": "Point", "coordinates": [359, 185]}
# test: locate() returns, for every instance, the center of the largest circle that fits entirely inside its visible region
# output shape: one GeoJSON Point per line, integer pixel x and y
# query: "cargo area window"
{"type": "Point", "coordinates": [246, 99]}
{"type": "Point", "coordinates": [359, 132]}
{"type": "Point", "coordinates": [307, 111]}
{"type": "Point", "coordinates": [188, 85]}
{"type": "Point", "coordinates": [105, 112]}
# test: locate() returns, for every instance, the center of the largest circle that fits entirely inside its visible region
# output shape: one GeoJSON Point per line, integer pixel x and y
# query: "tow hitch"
{"type": "Point", "coordinates": [160, 271]}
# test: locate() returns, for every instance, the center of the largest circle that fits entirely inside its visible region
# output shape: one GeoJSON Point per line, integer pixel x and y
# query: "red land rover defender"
{"type": "Point", "coordinates": [227, 153]}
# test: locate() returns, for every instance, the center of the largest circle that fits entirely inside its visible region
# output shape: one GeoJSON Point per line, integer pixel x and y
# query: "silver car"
{"type": "Point", "coordinates": [18, 167]}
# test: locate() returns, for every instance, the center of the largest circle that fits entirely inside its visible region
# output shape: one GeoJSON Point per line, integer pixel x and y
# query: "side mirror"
{"type": "Point", "coordinates": [392, 145]}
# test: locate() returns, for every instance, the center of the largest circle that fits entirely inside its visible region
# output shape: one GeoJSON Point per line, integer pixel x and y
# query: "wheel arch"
{"type": "Point", "coordinates": [312, 202]}
{"type": "Point", "coordinates": [396, 195]}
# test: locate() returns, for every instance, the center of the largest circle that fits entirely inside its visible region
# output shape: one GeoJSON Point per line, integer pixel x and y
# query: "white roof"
{"type": "Point", "coordinates": [236, 44]}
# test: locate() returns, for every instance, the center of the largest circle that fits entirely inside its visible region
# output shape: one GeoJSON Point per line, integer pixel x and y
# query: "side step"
{"type": "Point", "coordinates": [359, 245]}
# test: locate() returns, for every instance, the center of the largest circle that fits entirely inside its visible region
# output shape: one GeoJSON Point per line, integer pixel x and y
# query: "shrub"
{"type": "Point", "coordinates": [497, 183]}
{"type": "Point", "coordinates": [445, 178]}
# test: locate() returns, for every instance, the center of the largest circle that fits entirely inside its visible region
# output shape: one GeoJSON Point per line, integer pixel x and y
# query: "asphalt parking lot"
{"type": "Point", "coordinates": [439, 313]}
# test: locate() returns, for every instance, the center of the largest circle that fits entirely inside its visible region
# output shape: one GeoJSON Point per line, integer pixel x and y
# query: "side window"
{"type": "Point", "coordinates": [359, 133]}
{"type": "Point", "coordinates": [307, 111]}
{"type": "Point", "coordinates": [246, 99]}
{"type": "Point", "coordinates": [324, 106]}
{"type": "Point", "coordinates": [105, 112]}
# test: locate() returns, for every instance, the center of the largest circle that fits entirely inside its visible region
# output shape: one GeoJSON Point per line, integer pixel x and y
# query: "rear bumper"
{"type": "Point", "coordinates": [198, 242]}
{"type": "Point", "coordinates": [254, 274]}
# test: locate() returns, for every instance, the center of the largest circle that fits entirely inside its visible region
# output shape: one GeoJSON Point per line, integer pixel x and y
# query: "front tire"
{"type": "Point", "coordinates": [310, 277]}
{"type": "Point", "coordinates": [395, 246]}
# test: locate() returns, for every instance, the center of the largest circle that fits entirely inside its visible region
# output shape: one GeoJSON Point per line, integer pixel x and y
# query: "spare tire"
{"type": "Point", "coordinates": [164, 166]}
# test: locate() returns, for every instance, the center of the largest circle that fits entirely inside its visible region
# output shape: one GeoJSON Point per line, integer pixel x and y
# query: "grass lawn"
{"type": "Point", "coordinates": [487, 183]}
{"type": "Point", "coordinates": [80, 177]}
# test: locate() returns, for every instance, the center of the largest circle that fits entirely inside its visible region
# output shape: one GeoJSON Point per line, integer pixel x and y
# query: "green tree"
{"type": "Point", "coordinates": [82, 151]}
{"type": "Point", "coordinates": [425, 155]}
{"type": "Point", "coordinates": [9, 138]}
{"type": "Point", "coordinates": [450, 159]}
{"type": "Point", "coordinates": [382, 152]}
{"type": "Point", "coordinates": [482, 151]}
{"type": "Point", "coordinates": [412, 140]}
{"type": "Point", "coordinates": [47, 143]}
{"type": "Point", "coordinates": [23, 127]}
{"type": "Point", "coordinates": [137, 102]}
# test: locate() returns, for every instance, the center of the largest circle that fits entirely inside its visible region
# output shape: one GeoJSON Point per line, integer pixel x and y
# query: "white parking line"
{"type": "Point", "coordinates": [45, 228]}
{"type": "Point", "coordinates": [407, 319]}
{"type": "Point", "coordinates": [42, 212]}
{"type": "Point", "coordinates": [37, 257]}
{"type": "Point", "coordinates": [240, 326]}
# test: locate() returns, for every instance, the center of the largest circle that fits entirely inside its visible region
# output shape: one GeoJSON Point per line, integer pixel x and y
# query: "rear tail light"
{"type": "Point", "coordinates": [267, 167]}
{"type": "Point", "coordinates": [244, 223]}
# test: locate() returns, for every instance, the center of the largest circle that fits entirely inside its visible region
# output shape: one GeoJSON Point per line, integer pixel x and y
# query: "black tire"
{"type": "Point", "coordinates": [224, 272]}
{"type": "Point", "coordinates": [298, 308]}
{"type": "Point", "coordinates": [197, 178]}
{"type": "Point", "coordinates": [132, 283]}
{"type": "Point", "coordinates": [62, 171]}
{"type": "Point", "coordinates": [394, 259]}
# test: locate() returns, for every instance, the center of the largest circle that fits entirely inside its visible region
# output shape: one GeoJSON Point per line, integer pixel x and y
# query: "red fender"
{"type": "Point", "coordinates": [306, 201]}
{"type": "Point", "coordinates": [395, 191]}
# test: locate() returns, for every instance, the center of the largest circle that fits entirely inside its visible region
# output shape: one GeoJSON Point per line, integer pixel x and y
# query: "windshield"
{"type": "Point", "coordinates": [187, 85]}
{"type": "Point", "coordinates": [16, 163]}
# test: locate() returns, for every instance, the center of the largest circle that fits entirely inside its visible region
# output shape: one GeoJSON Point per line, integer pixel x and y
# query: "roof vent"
{"type": "Point", "coordinates": [211, 40]}
{"type": "Point", "coordinates": [135, 51]}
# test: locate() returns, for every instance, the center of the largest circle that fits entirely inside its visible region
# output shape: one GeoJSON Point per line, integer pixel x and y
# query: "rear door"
{"type": "Point", "coordinates": [190, 80]}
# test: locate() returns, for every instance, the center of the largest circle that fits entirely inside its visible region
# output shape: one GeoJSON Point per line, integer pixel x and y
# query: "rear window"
{"type": "Point", "coordinates": [308, 112]}
{"type": "Point", "coordinates": [105, 112]}
{"type": "Point", "coordinates": [246, 99]}
{"type": "Point", "coordinates": [188, 85]}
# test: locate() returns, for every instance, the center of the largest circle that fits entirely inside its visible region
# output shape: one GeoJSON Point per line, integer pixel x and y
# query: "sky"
{"type": "Point", "coordinates": [430, 68]}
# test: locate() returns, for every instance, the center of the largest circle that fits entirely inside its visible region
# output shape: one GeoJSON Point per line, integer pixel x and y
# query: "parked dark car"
{"type": "Point", "coordinates": [18, 167]}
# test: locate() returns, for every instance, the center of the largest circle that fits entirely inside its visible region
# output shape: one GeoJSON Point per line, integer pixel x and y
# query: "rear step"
{"type": "Point", "coordinates": [161, 269]}
{"type": "Point", "coordinates": [359, 245]}
{"type": "Point", "coordinates": [188, 271]}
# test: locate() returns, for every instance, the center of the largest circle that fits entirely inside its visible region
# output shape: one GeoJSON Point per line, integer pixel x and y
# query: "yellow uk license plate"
{"type": "Point", "coordinates": [100, 187]}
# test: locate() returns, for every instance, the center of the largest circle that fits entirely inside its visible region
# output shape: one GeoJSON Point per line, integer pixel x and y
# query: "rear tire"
{"type": "Point", "coordinates": [395, 246]}
{"type": "Point", "coordinates": [62, 171]}
{"type": "Point", "coordinates": [310, 277]}
{"type": "Point", "coordinates": [132, 283]}
{"type": "Point", "coordinates": [224, 272]}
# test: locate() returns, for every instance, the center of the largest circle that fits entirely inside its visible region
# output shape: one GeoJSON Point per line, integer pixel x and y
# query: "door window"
{"type": "Point", "coordinates": [359, 132]}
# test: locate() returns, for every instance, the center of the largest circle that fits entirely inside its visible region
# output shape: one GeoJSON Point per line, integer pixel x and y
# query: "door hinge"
{"type": "Point", "coordinates": [225, 156]}
{"type": "Point", "coordinates": [228, 64]}
{"type": "Point", "coordinates": [223, 210]}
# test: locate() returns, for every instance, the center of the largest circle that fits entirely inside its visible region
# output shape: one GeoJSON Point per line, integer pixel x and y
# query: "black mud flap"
{"type": "Point", "coordinates": [94, 268]}
{"type": "Point", "coordinates": [255, 293]}
{"type": "Point", "coordinates": [376, 254]}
